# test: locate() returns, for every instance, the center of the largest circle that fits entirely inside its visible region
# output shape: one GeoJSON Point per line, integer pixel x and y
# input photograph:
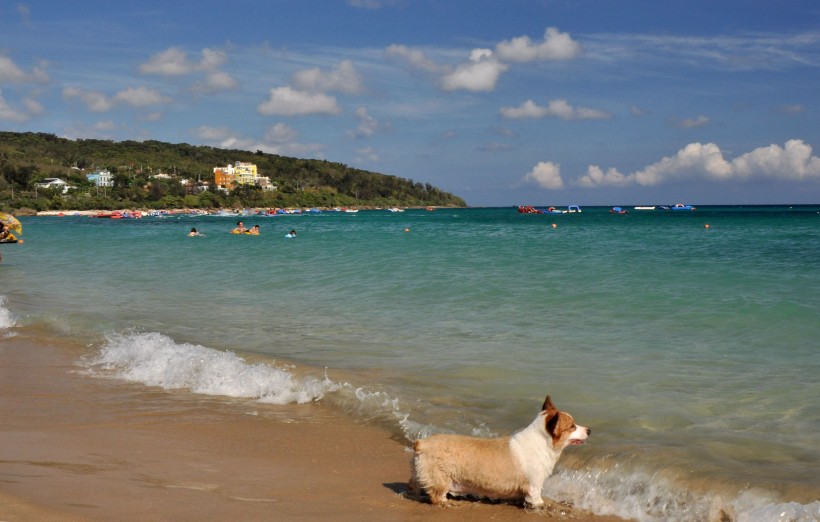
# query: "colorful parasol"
{"type": "Point", "coordinates": [11, 222]}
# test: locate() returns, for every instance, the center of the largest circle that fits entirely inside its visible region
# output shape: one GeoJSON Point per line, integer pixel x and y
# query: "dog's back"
{"type": "Point", "coordinates": [466, 465]}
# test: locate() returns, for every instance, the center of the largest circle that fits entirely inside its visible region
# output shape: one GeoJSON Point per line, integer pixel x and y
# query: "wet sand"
{"type": "Point", "coordinates": [74, 447]}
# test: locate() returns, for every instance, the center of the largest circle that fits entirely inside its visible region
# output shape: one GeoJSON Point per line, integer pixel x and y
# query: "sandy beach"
{"type": "Point", "coordinates": [74, 447]}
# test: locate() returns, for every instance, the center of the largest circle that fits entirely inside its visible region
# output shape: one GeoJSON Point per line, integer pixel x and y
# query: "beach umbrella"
{"type": "Point", "coordinates": [11, 222]}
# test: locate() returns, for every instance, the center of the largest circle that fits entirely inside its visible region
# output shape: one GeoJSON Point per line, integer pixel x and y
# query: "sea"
{"type": "Point", "coordinates": [688, 341]}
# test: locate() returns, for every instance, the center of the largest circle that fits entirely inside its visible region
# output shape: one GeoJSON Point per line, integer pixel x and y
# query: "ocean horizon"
{"type": "Point", "coordinates": [686, 340]}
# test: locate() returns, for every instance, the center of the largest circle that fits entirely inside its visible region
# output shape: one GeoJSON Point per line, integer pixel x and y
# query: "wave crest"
{"type": "Point", "coordinates": [155, 359]}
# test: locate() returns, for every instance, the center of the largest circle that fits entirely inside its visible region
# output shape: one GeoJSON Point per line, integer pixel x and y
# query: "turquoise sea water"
{"type": "Point", "coordinates": [693, 353]}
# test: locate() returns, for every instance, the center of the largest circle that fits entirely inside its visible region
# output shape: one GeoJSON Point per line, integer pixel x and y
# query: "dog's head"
{"type": "Point", "coordinates": [561, 427]}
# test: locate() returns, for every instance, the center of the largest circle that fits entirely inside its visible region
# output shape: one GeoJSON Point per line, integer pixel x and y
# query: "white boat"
{"type": "Point", "coordinates": [644, 208]}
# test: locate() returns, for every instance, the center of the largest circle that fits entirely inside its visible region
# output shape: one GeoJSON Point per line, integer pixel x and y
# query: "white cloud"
{"type": "Point", "coordinates": [170, 62]}
{"type": "Point", "coordinates": [696, 123]}
{"type": "Point", "coordinates": [793, 109]}
{"type": "Point", "coordinates": [280, 133]}
{"type": "Point", "coordinates": [33, 107]}
{"type": "Point", "coordinates": [342, 79]}
{"type": "Point", "coordinates": [279, 139]}
{"type": "Point", "coordinates": [414, 58]}
{"type": "Point", "coordinates": [479, 74]}
{"type": "Point", "coordinates": [368, 125]}
{"type": "Point", "coordinates": [794, 161]}
{"type": "Point", "coordinates": [595, 177]}
{"type": "Point", "coordinates": [367, 155]}
{"type": "Point", "coordinates": [555, 46]}
{"type": "Point", "coordinates": [7, 112]}
{"type": "Point", "coordinates": [175, 62]}
{"type": "Point", "coordinates": [141, 97]}
{"type": "Point", "coordinates": [216, 81]}
{"type": "Point", "coordinates": [93, 100]}
{"type": "Point", "coordinates": [98, 102]}
{"type": "Point", "coordinates": [555, 109]}
{"type": "Point", "coordinates": [10, 72]}
{"type": "Point", "coordinates": [290, 102]}
{"type": "Point", "coordinates": [546, 174]}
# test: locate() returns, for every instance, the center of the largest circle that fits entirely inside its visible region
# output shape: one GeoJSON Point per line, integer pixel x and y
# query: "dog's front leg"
{"type": "Point", "coordinates": [533, 498]}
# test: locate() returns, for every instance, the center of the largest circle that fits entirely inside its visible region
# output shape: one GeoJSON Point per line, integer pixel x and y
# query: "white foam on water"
{"type": "Point", "coordinates": [155, 359]}
{"type": "Point", "coordinates": [6, 318]}
{"type": "Point", "coordinates": [647, 497]}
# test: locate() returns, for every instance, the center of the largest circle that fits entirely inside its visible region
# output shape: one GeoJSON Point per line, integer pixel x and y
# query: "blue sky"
{"type": "Point", "coordinates": [590, 102]}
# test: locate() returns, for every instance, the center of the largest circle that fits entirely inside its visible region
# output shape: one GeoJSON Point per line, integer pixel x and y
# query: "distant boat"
{"type": "Point", "coordinates": [681, 206]}
{"type": "Point", "coordinates": [395, 209]}
{"type": "Point", "coordinates": [529, 209]}
{"type": "Point", "coordinates": [110, 215]}
{"type": "Point", "coordinates": [645, 208]}
{"type": "Point", "coordinates": [572, 209]}
{"type": "Point", "coordinates": [618, 210]}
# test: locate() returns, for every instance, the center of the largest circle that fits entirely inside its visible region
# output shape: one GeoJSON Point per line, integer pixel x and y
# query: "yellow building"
{"type": "Point", "coordinates": [242, 173]}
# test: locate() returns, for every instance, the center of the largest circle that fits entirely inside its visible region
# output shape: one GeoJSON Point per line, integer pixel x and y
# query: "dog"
{"type": "Point", "coordinates": [506, 468]}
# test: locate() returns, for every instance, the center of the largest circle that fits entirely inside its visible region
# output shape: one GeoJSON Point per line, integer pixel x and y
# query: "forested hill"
{"type": "Point", "coordinates": [28, 158]}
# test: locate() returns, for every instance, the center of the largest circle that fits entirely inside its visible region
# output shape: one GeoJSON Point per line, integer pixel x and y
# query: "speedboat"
{"type": "Point", "coordinates": [618, 210]}
{"type": "Point", "coordinates": [681, 206]}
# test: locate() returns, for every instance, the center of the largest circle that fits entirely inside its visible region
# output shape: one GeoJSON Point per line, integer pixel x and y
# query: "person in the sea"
{"type": "Point", "coordinates": [193, 233]}
{"type": "Point", "coordinates": [292, 233]}
{"type": "Point", "coordinates": [254, 230]}
{"type": "Point", "coordinates": [240, 228]}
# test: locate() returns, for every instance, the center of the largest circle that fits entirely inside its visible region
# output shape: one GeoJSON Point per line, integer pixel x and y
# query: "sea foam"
{"type": "Point", "coordinates": [6, 318]}
{"type": "Point", "coordinates": [155, 359]}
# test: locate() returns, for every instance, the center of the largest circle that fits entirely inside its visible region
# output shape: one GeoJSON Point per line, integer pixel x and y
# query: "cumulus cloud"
{"type": "Point", "coordinates": [96, 101]}
{"type": "Point", "coordinates": [342, 79]}
{"type": "Point", "coordinates": [368, 125]}
{"type": "Point", "coordinates": [555, 109]}
{"type": "Point", "coordinates": [141, 97]}
{"type": "Point", "coordinates": [11, 73]}
{"type": "Point", "coordinates": [793, 161]}
{"type": "Point", "coordinates": [484, 66]}
{"type": "Point", "coordinates": [175, 62]}
{"type": "Point", "coordinates": [287, 101]}
{"type": "Point", "coordinates": [279, 139]}
{"type": "Point", "coordinates": [555, 46]}
{"type": "Point", "coordinates": [545, 174]}
{"type": "Point", "coordinates": [479, 74]}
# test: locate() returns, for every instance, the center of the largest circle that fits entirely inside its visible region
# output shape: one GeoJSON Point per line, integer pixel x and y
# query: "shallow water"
{"type": "Point", "coordinates": [691, 352]}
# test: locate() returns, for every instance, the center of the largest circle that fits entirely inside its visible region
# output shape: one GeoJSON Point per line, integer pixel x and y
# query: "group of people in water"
{"type": "Point", "coordinates": [240, 229]}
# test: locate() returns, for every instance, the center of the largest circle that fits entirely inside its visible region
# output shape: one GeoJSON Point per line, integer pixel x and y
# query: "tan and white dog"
{"type": "Point", "coordinates": [510, 467]}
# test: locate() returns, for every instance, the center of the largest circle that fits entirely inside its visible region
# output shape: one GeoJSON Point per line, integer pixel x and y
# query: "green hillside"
{"type": "Point", "coordinates": [28, 158]}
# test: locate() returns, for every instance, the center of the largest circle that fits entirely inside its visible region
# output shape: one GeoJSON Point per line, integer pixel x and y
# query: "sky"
{"type": "Point", "coordinates": [501, 102]}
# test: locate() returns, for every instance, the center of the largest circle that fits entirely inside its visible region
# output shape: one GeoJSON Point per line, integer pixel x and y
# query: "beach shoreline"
{"type": "Point", "coordinates": [77, 447]}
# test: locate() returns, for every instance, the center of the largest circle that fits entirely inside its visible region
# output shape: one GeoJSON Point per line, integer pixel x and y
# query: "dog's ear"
{"type": "Point", "coordinates": [548, 406]}
{"type": "Point", "coordinates": [551, 423]}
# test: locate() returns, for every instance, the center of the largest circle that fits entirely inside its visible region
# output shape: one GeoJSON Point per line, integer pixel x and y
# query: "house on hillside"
{"type": "Point", "coordinates": [241, 173]}
{"type": "Point", "coordinates": [53, 183]}
{"type": "Point", "coordinates": [101, 178]}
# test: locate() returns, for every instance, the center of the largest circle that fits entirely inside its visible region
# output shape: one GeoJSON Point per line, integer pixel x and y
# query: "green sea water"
{"type": "Point", "coordinates": [691, 351]}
